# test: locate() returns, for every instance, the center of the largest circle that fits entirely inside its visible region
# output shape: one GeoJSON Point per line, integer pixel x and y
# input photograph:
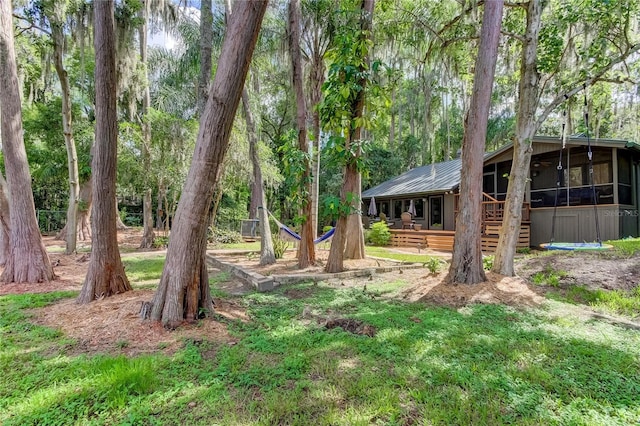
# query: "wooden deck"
{"type": "Point", "coordinates": [443, 240]}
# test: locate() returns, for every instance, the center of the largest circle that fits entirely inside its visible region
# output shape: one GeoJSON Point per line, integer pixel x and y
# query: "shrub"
{"type": "Point", "coordinates": [367, 237]}
{"type": "Point", "coordinates": [487, 262]}
{"type": "Point", "coordinates": [224, 236]}
{"type": "Point", "coordinates": [279, 246]}
{"type": "Point", "coordinates": [433, 264]}
{"type": "Point", "coordinates": [160, 242]}
{"type": "Point", "coordinates": [380, 235]}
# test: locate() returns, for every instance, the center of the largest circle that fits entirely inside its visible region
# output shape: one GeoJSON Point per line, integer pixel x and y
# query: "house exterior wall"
{"type": "Point", "coordinates": [629, 221]}
{"type": "Point", "coordinates": [575, 224]}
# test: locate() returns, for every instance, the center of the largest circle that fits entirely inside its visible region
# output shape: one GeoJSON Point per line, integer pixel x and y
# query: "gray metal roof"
{"type": "Point", "coordinates": [432, 178]}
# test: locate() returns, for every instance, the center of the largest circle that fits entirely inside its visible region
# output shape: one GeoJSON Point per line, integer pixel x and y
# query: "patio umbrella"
{"type": "Point", "coordinates": [373, 211]}
{"type": "Point", "coordinates": [412, 208]}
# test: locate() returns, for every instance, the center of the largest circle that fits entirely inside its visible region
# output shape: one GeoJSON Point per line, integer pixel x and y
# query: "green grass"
{"type": "Point", "coordinates": [548, 277]}
{"type": "Point", "coordinates": [402, 257]}
{"type": "Point", "coordinates": [482, 365]}
{"type": "Point", "coordinates": [618, 302]}
{"type": "Point", "coordinates": [241, 246]}
{"type": "Point", "coordinates": [627, 246]}
{"type": "Point", "coordinates": [144, 270]}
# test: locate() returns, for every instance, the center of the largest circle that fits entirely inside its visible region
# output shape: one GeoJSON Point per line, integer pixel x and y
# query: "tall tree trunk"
{"type": "Point", "coordinates": [528, 98]}
{"type": "Point", "coordinates": [306, 248]}
{"type": "Point", "coordinates": [147, 204]}
{"type": "Point", "coordinates": [354, 248]}
{"type": "Point", "coordinates": [5, 220]}
{"type": "Point", "coordinates": [120, 226]}
{"type": "Point", "coordinates": [181, 285]}
{"type": "Point", "coordinates": [160, 210]}
{"type": "Point", "coordinates": [466, 263]}
{"type": "Point", "coordinates": [317, 79]}
{"type": "Point", "coordinates": [105, 276]}
{"type": "Point", "coordinates": [267, 253]}
{"type": "Point", "coordinates": [57, 36]}
{"type": "Point", "coordinates": [84, 212]}
{"type": "Point", "coordinates": [28, 260]}
{"type": "Point", "coordinates": [206, 43]}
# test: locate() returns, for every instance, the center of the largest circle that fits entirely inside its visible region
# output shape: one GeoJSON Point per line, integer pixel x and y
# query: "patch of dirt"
{"type": "Point", "coordinates": [594, 270]}
{"type": "Point", "coordinates": [497, 289]}
{"type": "Point", "coordinates": [353, 326]}
{"type": "Point", "coordinates": [112, 325]}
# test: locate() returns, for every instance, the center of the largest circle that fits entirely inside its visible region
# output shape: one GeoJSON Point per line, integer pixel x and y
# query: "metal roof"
{"type": "Point", "coordinates": [438, 177]}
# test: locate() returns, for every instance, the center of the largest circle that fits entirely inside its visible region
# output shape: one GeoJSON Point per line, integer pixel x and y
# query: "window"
{"type": "Point", "coordinates": [419, 205]}
{"type": "Point", "coordinates": [384, 208]}
{"type": "Point", "coordinates": [502, 176]}
{"type": "Point", "coordinates": [488, 183]}
{"type": "Point", "coordinates": [575, 186]}
{"type": "Point", "coordinates": [435, 212]}
{"type": "Point", "coordinates": [397, 209]}
{"type": "Point", "coordinates": [624, 179]}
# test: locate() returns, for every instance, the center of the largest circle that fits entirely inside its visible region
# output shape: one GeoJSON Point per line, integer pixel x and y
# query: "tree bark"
{"type": "Point", "coordinates": [354, 248]}
{"type": "Point", "coordinates": [180, 284]}
{"type": "Point", "coordinates": [28, 260]}
{"type": "Point", "coordinates": [160, 211]}
{"type": "Point", "coordinates": [105, 276]}
{"type": "Point", "coordinates": [306, 248]}
{"type": "Point", "coordinates": [5, 220]}
{"type": "Point", "coordinates": [267, 253]}
{"type": "Point", "coordinates": [528, 99]}
{"type": "Point", "coordinates": [466, 263]}
{"type": "Point", "coordinates": [84, 213]}
{"type": "Point", "coordinates": [57, 36]}
{"type": "Point", "coordinates": [206, 43]}
{"type": "Point", "coordinates": [147, 204]}
{"type": "Point", "coordinates": [120, 226]}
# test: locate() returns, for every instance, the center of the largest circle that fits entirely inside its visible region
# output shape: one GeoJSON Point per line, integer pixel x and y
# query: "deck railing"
{"type": "Point", "coordinates": [493, 210]}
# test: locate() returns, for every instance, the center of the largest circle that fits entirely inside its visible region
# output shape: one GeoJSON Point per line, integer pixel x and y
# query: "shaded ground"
{"type": "Point", "coordinates": [112, 325]}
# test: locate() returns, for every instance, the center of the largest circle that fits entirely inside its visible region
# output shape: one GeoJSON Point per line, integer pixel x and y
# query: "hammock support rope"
{"type": "Point", "coordinates": [597, 245]}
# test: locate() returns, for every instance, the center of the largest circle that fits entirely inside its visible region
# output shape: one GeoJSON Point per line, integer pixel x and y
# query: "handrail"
{"type": "Point", "coordinates": [493, 211]}
{"type": "Point", "coordinates": [489, 197]}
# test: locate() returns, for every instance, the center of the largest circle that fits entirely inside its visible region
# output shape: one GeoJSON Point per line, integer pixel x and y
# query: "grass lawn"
{"type": "Point", "coordinates": [481, 365]}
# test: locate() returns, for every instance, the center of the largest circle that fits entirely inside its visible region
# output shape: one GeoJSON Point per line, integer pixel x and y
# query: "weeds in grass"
{"type": "Point", "coordinates": [549, 277]}
{"type": "Point", "coordinates": [433, 264]}
{"type": "Point", "coordinates": [613, 301]}
{"type": "Point", "coordinates": [626, 246]}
